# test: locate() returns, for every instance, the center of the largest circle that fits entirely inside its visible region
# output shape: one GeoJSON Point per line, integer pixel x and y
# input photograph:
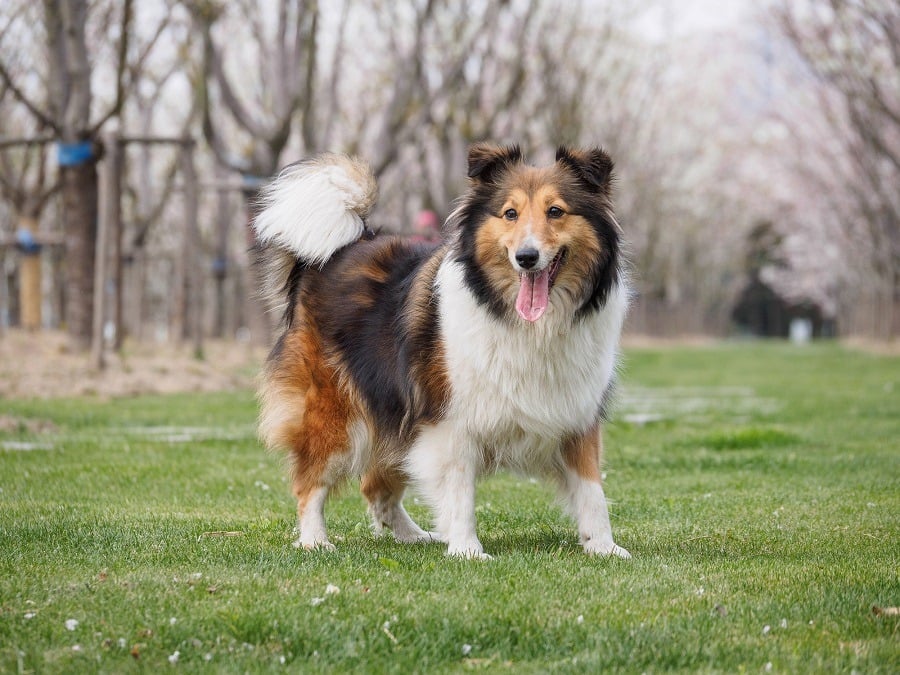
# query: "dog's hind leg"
{"type": "Point", "coordinates": [383, 489]}
{"type": "Point", "coordinates": [580, 483]}
{"type": "Point", "coordinates": [323, 456]}
{"type": "Point", "coordinates": [312, 482]}
{"type": "Point", "coordinates": [311, 496]}
{"type": "Point", "coordinates": [311, 422]}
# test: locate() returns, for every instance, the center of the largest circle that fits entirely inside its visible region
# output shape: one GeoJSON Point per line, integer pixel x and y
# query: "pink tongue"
{"type": "Point", "coordinates": [533, 291]}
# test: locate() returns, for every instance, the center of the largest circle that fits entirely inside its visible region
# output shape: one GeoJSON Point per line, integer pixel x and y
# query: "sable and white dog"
{"type": "Point", "coordinates": [493, 350]}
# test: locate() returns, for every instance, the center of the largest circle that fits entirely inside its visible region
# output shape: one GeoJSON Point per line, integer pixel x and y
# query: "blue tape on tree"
{"type": "Point", "coordinates": [74, 154]}
{"type": "Point", "coordinates": [26, 243]}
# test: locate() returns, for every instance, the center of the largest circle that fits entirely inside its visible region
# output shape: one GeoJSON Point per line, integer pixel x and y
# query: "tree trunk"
{"type": "Point", "coordinates": [192, 255]}
{"type": "Point", "coordinates": [79, 196]}
{"type": "Point", "coordinates": [108, 229]}
{"type": "Point", "coordinates": [135, 290]}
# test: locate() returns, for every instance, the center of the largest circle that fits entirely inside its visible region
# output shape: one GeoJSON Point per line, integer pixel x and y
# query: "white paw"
{"type": "Point", "coordinates": [469, 552]}
{"type": "Point", "coordinates": [314, 544]}
{"type": "Point", "coordinates": [605, 549]}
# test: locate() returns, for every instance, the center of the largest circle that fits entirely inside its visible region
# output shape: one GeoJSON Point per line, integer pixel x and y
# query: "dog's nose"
{"type": "Point", "coordinates": [527, 257]}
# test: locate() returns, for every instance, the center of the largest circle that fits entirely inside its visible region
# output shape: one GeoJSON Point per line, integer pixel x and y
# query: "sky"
{"type": "Point", "coordinates": [666, 19]}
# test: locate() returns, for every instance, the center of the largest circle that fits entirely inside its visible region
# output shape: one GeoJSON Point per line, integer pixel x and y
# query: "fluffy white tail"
{"type": "Point", "coordinates": [310, 211]}
{"type": "Point", "coordinates": [317, 206]}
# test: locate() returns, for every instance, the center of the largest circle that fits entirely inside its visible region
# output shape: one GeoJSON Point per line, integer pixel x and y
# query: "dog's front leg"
{"type": "Point", "coordinates": [445, 467]}
{"type": "Point", "coordinates": [456, 511]}
{"type": "Point", "coordinates": [580, 483]}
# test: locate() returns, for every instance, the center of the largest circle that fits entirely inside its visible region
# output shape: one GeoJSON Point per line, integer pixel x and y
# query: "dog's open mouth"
{"type": "Point", "coordinates": [534, 289]}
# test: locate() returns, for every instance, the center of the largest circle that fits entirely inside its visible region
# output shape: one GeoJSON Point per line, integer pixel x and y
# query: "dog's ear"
{"type": "Point", "coordinates": [593, 167]}
{"type": "Point", "coordinates": [486, 160]}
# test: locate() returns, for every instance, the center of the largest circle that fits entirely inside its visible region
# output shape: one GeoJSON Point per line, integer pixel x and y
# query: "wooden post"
{"type": "Point", "coordinates": [220, 264]}
{"type": "Point", "coordinates": [4, 293]}
{"type": "Point", "coordinates": [192, 256]}
{"type": "Point", "coordinates": [30, 295]}
{"type": "Point", "coordinates": [115, 235]}
{"type": "Point", "coordinates": [30, 290]}
{"type": "Point", "coordinates": [107, 224]}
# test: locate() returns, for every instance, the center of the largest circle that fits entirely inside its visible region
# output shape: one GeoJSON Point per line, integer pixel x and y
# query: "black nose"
{"type": "Point", "coordinates": [527, 257]}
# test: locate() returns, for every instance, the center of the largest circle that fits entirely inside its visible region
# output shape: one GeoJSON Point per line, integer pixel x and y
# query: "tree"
{"type": "Point", "coordinates": [284, 68]}
{"type": "Point", "coordinates": [74, 37]}
{"type": "Point", "coordinates": [850, 55]}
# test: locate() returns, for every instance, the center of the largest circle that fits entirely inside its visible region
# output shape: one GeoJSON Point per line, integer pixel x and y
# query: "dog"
{"type": "Point", "coordinates": [403, 363]}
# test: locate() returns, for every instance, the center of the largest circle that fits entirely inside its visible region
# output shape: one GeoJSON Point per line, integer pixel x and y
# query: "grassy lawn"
{"type": "Point", "coordinates": [757, 486]}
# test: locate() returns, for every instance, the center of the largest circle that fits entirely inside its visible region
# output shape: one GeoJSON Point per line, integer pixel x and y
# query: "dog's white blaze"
{"type": "Point", "coordinates": [530, 241]}
{"type": "Point", "coordinates": [301, 199]}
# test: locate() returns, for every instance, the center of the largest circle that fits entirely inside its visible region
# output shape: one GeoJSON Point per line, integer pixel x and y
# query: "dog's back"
{"type": "Point", "coordinates": [372, 312]}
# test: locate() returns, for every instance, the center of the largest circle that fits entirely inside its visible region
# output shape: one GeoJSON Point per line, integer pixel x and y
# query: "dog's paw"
{"type": "Point", "coordinates": [608, 549]}
{"type": "Point", "coordinates": [470, 555]}
{"type": "Point", "coordinates": [468, 552]}
{"type": "Point", "coordinates": [620, 552]}
{"type": "Point", "coordinates": [314, 545]}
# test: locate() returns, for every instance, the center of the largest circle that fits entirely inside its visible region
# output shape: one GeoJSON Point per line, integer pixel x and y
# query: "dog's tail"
{"type": "Point", "coordinates": [310, 211]}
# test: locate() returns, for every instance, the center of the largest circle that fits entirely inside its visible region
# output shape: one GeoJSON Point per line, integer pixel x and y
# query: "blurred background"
{"type": "Point", "coordinates": [757, 147]}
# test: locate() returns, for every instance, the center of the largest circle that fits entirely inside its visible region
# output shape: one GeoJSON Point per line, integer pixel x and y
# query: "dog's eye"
{"type": "Point", "coordinates": [554, 212]}
{"type": "Point", "coordinates": [510, 214]}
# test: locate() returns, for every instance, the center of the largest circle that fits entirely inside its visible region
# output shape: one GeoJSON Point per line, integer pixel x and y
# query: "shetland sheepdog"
{"type": "Point", "coordinates": [402, 363]}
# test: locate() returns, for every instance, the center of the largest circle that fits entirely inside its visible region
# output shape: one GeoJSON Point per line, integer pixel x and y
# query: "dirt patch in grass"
{"type": "Point", "coordinates": [28, 425]}
{"type": "Point", "coordinates": [876, 347]}
{"type": "Point", "coordinates": [42, 365]}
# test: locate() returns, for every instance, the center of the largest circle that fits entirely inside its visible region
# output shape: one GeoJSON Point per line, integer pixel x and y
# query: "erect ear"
{"type": "Point", "coordinates": [487, 159]}
{"type": "Point", "coordinates": [593, 167]}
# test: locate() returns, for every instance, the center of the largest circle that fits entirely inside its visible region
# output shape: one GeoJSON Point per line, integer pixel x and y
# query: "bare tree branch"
{"type": "Point", "coordinates": [42, 118]}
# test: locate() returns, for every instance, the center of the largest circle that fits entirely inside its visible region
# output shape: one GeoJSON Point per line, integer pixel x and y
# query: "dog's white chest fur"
{"type": "Point", "coordinates": [521, 388]}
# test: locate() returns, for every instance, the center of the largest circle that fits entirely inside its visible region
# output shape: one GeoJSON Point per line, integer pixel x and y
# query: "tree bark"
{"type": "Point", "coordinates": [193, 258]}
{"type": "Point", "coordinates": [79, 195]}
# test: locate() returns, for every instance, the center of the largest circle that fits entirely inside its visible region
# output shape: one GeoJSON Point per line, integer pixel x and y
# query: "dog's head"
{"type": "Point", "coordinates": [535, 238]}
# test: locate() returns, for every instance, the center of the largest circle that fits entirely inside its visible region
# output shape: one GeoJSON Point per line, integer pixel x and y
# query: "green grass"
{"type": "Point", "coordinates": [757, 486]}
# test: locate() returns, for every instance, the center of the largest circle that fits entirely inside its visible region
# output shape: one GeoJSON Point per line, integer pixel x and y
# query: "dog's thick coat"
{"type": "Point", "coordinates": [399, 361]}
